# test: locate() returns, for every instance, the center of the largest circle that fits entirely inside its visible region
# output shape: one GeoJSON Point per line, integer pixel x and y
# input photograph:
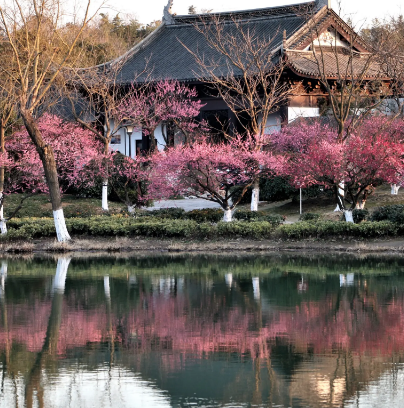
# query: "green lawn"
{"type": "Point", "coordinates": [40, 206]}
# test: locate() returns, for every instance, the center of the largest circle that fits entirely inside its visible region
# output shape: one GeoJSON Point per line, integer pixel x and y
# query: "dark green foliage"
{"type": "Point", "coordinates": [205, 215]}
{"type": "Point", "coordinates": [360, 215]}
{"type": "Point", "coordinates": [254, 229]}
{"type": "Point", "coordinates": [309, 217]}
{"type": "Point", "coordinates": [246, 215]}
{"type": "Point", "coordinates": [276, 189]}
{"type": "Point", "coordinates": [169, 213]}
{"type": "Point", "coordinates": [392, 213]}
{"type": "Point", "coordinates": [322, 229]}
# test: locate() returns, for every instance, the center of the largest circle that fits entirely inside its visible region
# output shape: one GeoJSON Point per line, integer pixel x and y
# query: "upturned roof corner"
{"type": "Point", "coordinates": [168, 17]}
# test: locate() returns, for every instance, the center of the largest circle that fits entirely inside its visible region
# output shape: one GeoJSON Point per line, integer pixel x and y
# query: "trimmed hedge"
{"type": "Point", "coordinates": [206, 215]}
{"type": "Point", "coordinates": [126, 226]}
{"type": "Point", "coordinates": [155, 227]}
{"type": "Point", "coordinates": [246, 215]}
{"type": "Point", "coordinates": [309, 217]}
{"type": "Point", "coordinates": [322, 229]}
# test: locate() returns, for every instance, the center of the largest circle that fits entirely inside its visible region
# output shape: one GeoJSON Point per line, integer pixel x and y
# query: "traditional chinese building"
{"type": "Point", "coordinates": [310, 38]}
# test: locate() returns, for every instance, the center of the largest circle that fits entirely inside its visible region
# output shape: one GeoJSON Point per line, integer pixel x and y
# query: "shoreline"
{"type": "Point", "coordinates": [149, 246]}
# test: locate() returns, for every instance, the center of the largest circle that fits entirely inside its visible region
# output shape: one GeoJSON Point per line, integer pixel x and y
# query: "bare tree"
{"type": "Point", "coordinates": [33, 29]}
{"type": "Point", "coordinates": [7, 120]}
{"type": "Point", "coordinates": [387, 39]}
{"type": "Point", "coordinates": [94, 96]}
{"type": "Point", "coordinates": [246, 70]}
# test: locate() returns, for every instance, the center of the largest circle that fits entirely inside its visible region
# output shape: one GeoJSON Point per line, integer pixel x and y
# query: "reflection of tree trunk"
{"type": "Point", "coordinates": [3, 275]}
{"type": "Point", "coordinates": [111, 335]}
{"type": "Point", "coordinates": [3, 226]}
{"type": "Point", "coordinates": [49, 348]}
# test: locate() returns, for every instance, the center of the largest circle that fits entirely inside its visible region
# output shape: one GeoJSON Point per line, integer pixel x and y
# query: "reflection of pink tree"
{"type": "Point", "coordinates": [360, 324]}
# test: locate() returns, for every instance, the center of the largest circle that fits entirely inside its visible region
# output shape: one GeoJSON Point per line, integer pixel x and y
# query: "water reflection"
{"type": "Point", "coordinates": [205, 339]}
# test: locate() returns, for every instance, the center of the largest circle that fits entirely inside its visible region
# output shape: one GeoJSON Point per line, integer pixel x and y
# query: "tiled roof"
{"type": "Point", "coordinates": [306, 63]}
{"type": "Point", "coordinates": [163, 54]}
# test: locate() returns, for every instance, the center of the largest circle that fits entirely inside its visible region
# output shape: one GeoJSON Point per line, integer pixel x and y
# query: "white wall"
{"type": "Point", "coordinates": [274, 122]}
{"type": "Point", "coordinates": [294, 113]}
{"type": "Point", "coordinates": [123, 147]}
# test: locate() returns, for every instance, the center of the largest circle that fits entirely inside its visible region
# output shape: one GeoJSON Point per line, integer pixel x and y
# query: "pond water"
{"type": "Point", "coordinates": [177, 331]}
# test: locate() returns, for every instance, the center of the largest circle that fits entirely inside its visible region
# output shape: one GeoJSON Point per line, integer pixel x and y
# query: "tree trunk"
{"type": "Point", "coordinates": [341, 192]}
{"type": "Point", "coordinates": [3, 225]}
{"type": "Point", "coordinates": [47, 157]}
{"type": "Point", "coordinates": [394, 189]}
{"type": "Point", "coordinates": [104, 202]}
{"type": "Point", "coordinates": [255, 195]}
{"type": "Point", "coordinates": [153, 144]}
{"type": "Point", "coordinates": [227, 217]}
{"type": "Point", "coordinates": [348, 216]}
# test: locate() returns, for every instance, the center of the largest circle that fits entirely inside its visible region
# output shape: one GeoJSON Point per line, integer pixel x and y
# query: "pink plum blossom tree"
{"type": "Point", "coordinates": [163, 102]}
{"type": "Point", "coordinates": [73, 147]}
{"type": "Point", "coordinates": [210, 171]}
{"type": "Point", "coordinates": [127, 176]}
{"type": "Point", "coordinates": [372, 155]}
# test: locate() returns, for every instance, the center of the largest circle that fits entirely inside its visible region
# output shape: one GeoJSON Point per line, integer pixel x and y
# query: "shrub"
{"type": "Point", "coordinates": [309, 217]}
{"type": "Point", "coordinates": [392, 213]}
{"type": "Point", "coordinates": [321, 229]}
{"type": "Point", "coordinates": [247, 215]}
{"type": "Point", "coordinates": [254, 229]}
{"type": "Point", "coordinates": [206, 215]}
{"type": "Point", "coordinates": [360, 215]}
{"type": "Point", "coordinates": [169, 213]}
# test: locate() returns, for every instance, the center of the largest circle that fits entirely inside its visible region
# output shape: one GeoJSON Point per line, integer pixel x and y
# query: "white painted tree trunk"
{"type": "Point", "coordinates": [394, 189]}
{"type": "Point", "coordinates": [348, 216]}
{"type": "Point", "coordinates": [60, 276]}
{"type": "Point", "coordinates": [131, 209]}
{"type": "Point", "coordinates": [228, 277]}
{"type": "Point", "coordinates": [60, 225]}
{"type": "Point", "coordinates": [256, 287]}
{"type": "Point", "coordinates": [3, 222]}
{"type": "Point", "coordinates": [107, 289]}
{"type": "Point", "coordinates": [227, 216]}
{"type": "Point", "coordinates": [341, 192]}
{"type": "Point", "coordinates": [104, 202]}
{"type": "Point", "coordinates": [255, 196]}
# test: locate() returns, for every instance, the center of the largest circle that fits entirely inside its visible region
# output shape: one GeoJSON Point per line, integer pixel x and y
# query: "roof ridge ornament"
{"type": "Point", "coordinates": [167, 15]}
{"type": "Point", "coordinates": [321, 3]}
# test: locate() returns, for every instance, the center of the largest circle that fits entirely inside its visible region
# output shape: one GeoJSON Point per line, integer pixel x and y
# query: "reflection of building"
{"type": "Point", "coordinates": [346, 280]}
{"type": "Point", "coordinates": [298, 32]}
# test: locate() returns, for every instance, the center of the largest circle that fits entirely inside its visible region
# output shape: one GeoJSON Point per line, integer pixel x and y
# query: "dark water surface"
{"type": "Point", "coordinates": [266, 331]}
